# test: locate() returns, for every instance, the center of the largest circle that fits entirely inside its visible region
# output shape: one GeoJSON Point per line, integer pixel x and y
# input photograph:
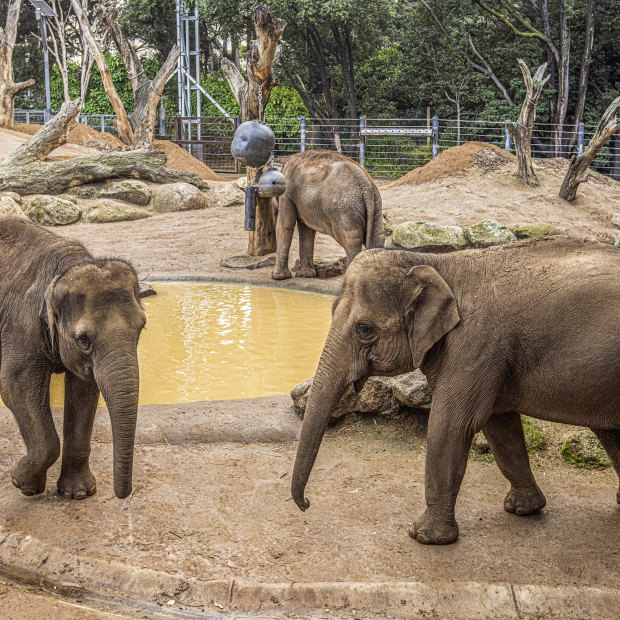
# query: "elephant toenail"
{"type": "Point", "coordinates": [80, 495]}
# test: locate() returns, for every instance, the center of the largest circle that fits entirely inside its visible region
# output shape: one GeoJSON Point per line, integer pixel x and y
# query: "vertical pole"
{"type": "Point", "coordinates": [179, 63]}
{"type": "Point", "coordinates": [362, 142]}
{"type": "Point", "coordinates": [428, 122]}
{"type": "Point", "coordinates": [435, 136]}
{"type": "Point", "coordinates": [102, 118]}
{"type": "Point", "coordinates": [237, 122]}
{"type": "Point", "coordinates": [27, 117]}
{"type": "Point", "coordinates": [48, 101]}
{"type": "Point", "coordinates": [197, 66]}
{"type": "Point", "coordinates": [580, 136]}
{"type": "Point", "coordinates": [162, 120]}
{"type": "Point", "coordinates": [302, 134]}
{"type": "Point", "coordinates": [507, 136]}
{"type": "Point", "coordinates": [177, 127]}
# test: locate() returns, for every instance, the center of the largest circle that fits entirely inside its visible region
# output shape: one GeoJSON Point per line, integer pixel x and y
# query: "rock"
{"type": "Point", "coordinates": [68, 197]}
{"type": "Point", "coordinates": [129, 190]}
{"type": "Point", "coordinates": [146, 290]}
{"type": "Point", "coordinates": [15, 196]}
{"type": "Point", "coordinates": [534, 230]}
{"type": "Point", "coordinates": [387, 224]}
{"type": "Point", "coordinates": [427, 237]}
{"type": "Point", "coordinates": [52, 211]}
{"type": "Point", "coordinates": [178, 197]}
{"type": "Point", "coordinates": [244, 261]}
{"type": "Point", "coordinates": [489, 232]}
{"type": "Point", "coordinates": [8, 206]}
{"type": "Point", "coordinates": [104, 211]}
{"type": "Point", "coordinates": [490, 159]}
{"type": "Point", "coordinates": [412, 390]}
{"type": "Point", "coordinates": [299, 394]}
{"type": "Point", "coordinates": [583, 449]}
{"type": "Point", "coordinates": [227, 195]}
{"type": "Point", "coordinates": [327, 267]}
{"type": "Point", "coordinates": [617, 240]}
{"type": "Point", "coordinates": [615, 220]}
{"type": "Point", "coordinates": [242, 183]}
{"type": "Point", "coordinates": [480, 445]}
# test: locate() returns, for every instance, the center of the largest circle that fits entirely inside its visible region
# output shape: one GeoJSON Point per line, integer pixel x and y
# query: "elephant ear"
{"type": "Point", "coordinates": [48, 312]}
{"type": "Point", "coordinates": [431, 312]}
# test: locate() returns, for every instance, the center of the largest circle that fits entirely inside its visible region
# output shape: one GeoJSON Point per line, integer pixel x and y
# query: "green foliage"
{"type": "Point", "coordinates": [583, 449]}
{"type": "Point", "coordinates": [534, 439]}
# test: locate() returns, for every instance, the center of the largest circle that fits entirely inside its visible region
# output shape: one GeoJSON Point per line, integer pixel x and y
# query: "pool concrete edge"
{"type": "Point", "coordinates": [28, 560]}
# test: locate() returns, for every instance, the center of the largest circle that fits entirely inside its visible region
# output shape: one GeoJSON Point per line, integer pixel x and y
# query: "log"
{"type": "Point", "coordinates": [578, 167]}
{"type": "Point", "coordinates": [521, 131]}
{"type": "Point", "coordinates": [259, 72]}
{"type": "Point", "coordinates": [39, 177]}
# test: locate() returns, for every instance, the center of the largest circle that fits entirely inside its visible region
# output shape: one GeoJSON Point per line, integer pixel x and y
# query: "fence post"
{"type": "Point", "coordinates": [302, 133]}
{"type": "Point", "coordinates": [27, 117]}
{"type": "Point", "coordinates": [177, 127]}
{"type": "Point", "coordinates": [362, 142]}
{"type": "Point", "coordinates": [580, 136]}
{"type": "Point", "coordinates": [162, 121]}
{"type": "Point", "coordinates": [435, 136]}
{"type": "Point", "coordinates": [102, 118]}
{"type": "Point", "coordinates": [507, 136]}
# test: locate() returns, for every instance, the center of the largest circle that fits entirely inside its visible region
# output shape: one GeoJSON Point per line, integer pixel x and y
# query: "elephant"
{"type": "Point", "coordinates": [530, 327]}
{"type": "Point", "coordinates": [329, 193]}
{"type": "Point", "coordinates": [62, 310]}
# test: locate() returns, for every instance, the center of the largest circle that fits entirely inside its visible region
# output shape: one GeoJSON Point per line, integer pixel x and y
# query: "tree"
{"type": "Point", "coordinates": [9, 88]}
{"type": "Point", "coordinates": [259, 81]}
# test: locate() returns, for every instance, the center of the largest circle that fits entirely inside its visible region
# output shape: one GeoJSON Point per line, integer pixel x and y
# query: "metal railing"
{"type": "Point", "coordinates": [402, 144]}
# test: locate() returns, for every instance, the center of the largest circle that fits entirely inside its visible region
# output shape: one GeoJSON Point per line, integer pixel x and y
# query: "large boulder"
{"type": "Point", "coordinates": [178, 197]}
{"type": "Point", "coordinates": [427, 237]}
{"type": "Point", "coordinates": [489, 232]}
{"type": "Point", "coordinates": [128, 190]}
{"type": "Point", "coordinates": [226, 195]}
{"type": "Point", "coordinates": [8, 206]}
{"type": "Point", "coordinates": [328, 267]}
{"type": "Point", "coordinates": [412, 390]}
{"type": "Point", "coordinates": [52, 210]}
{"type": "Point", "coordinates": [104, 211]}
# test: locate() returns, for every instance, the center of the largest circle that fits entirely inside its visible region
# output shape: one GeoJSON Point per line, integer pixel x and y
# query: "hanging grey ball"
{"type": "Point", "coordinates": [253, 143]}
{"type": "Point", "coordinates": [271, 184]}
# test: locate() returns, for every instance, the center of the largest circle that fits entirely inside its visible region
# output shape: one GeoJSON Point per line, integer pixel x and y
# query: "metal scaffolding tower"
{"type": "Point", "coordinates": [188, 71]}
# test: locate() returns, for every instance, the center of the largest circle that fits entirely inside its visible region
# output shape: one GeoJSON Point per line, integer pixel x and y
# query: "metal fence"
{"type": "Point", "coordinates": [385, 147]}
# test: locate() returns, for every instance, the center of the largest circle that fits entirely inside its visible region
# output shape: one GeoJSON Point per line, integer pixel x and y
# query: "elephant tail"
{"type": "Point", "coordinates": [374, 220]}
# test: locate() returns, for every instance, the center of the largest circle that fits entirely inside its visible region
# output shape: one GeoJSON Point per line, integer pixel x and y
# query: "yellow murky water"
{"type": "Point", "coordinates": [223, 341]}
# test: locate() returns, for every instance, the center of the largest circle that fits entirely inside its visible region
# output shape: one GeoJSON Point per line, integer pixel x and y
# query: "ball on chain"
{"type": "Point", "coordinates": [271, 184]}
{"type": "Point", "coordinates": [253, 143]}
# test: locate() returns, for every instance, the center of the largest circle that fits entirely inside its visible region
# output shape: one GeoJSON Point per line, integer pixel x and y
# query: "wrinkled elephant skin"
{"type": "Point", "coordinates": [527, 328]}
{"type": "Point", "coordinates": [329, 193]}
{"type": "Point", "coordinates": [61, 310]}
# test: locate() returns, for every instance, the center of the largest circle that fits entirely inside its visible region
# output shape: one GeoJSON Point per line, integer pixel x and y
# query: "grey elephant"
{"type": "Point", "coordinates": [527, 328]}
{"type": "Point", "coordinates": [61, 310]}
{"type": "Point", "coordinates": [329, 193]}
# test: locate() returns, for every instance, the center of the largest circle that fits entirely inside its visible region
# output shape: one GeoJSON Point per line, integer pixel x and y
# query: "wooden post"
{"type": "Point", "coordinates": [261, 55]}
{"type": "Point", "coordinates": [521, 131]}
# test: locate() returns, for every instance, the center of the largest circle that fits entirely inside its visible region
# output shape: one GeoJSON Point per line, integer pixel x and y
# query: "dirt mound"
{"type": "Point", "coordinates": [486, 156]}
{"type": "Point", "coordinates": [178, 158]}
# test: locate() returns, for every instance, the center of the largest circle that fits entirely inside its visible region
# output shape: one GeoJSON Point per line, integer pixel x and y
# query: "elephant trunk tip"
{"type": "Point", "coordinates": [302, 503]}
{"type": "Point", "coordinates": [123, 489]}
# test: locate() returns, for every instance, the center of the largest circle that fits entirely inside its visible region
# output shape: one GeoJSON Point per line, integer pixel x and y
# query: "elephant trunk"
{"type": "Point", "coordinates": [330, 383]}
{"type": "Point", "coordinates": [117, 377]}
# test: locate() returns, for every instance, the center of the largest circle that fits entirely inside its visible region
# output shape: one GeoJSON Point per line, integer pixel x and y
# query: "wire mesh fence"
{"type": "Point", "coordinates": [387, 148]}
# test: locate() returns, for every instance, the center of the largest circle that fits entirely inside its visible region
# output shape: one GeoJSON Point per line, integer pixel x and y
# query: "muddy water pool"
{"type": "Point", "coordinates": [223, 341]}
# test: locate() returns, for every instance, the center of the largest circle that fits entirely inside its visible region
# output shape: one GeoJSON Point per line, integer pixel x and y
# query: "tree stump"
{"type": "Point", "coordinates": [578, 168]}
{"type": "Point", "coordinates": [521, 131]}
{"type": "Point", "coordinates": [260, 59]}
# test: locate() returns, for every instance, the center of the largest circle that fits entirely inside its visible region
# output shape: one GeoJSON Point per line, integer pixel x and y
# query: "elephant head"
{"type": "Point", "coordinates": [389, 314]}
{"type": "Point", "coordinates": [94, 317]}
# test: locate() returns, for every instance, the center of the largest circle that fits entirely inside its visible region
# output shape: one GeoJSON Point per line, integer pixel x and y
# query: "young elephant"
{"type": "Point", "coordinates": [329, 193]}
{"type": "Point", "coordinates": [527, 328]}
{"type": "Point", "coordinates": [61, 310]}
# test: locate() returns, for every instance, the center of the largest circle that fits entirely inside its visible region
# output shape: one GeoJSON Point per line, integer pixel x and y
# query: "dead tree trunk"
{"type": "Point", "coordinates": [259, 62]}
{"type": "Point", "coordinates": [578, 167]}
{"type": "Point", "coordinates": [123, 127]}
{"type": "Point", "coordinates": [146, 93]}
{"type": "Point", "coordinates": [8, 88]}
{"type": "Point", "coordinates": [521, 131]}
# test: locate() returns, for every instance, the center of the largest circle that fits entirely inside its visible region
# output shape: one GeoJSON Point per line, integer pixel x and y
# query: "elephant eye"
{"type": "Point", "coordinates": [364, 331]}
{"type": "Point", "coordinates": [83, 341]}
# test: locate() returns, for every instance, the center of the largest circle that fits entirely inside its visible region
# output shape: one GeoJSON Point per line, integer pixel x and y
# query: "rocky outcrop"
{"type": "Point", "coordinates": [178, 197]}
{"type": "Point", "coordinates": [488, 233]}
{"type": "Point", "coordinates": [8, 206]}
{"type": "Point", "coordinates": [327, 267]}
{"type": "Point", "coordinates": [129, 190]}
{"type": "Point", "coordinates": [427, 237]}
{"type": "Point", "coordinates": [533, 230]}
{"type": "Point", "coordinates": [385, 396]}
{"type": "Point", "coordinates": [104, 211]}
{"type": "Point", "coordinates": [226, 195]}
{"type": "Point", "coordinates": [52, 210]}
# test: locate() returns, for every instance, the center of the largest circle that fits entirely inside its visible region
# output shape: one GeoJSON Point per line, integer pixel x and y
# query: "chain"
{"type": "Point", "coordinates": [260, 102]}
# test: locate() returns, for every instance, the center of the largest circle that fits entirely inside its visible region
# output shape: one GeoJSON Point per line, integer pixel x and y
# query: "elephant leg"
{"type": "Point", "coordinates": [25, 391]}
{"type": "Point", "coordinates": [285, 227]}
{"type": "Point", "coordinates": [610, 440]}
{"type": "Point", "coordinates": [352, 242]}
{"type": "Point", "coordinates": [76, 481]}
{"type": "Point", "coordinates": [306, 251]}
{"type": "Point", "coordinates": [504, 432]}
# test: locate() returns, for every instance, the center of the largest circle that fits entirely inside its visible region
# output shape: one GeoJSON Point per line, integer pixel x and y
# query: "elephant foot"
{"type": "Point", "coordinates": [29, 480]}
{"type": "Point", "coordinates": [281, 274]}
{"type": "Point", "coordinates": [306, 272]}
{"type": "Point", "coordinates": [429, 533]}
{"type": "Point", "coordinates": [77, 485]}
{"type": "Point", "coordinates": [524, 501]}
